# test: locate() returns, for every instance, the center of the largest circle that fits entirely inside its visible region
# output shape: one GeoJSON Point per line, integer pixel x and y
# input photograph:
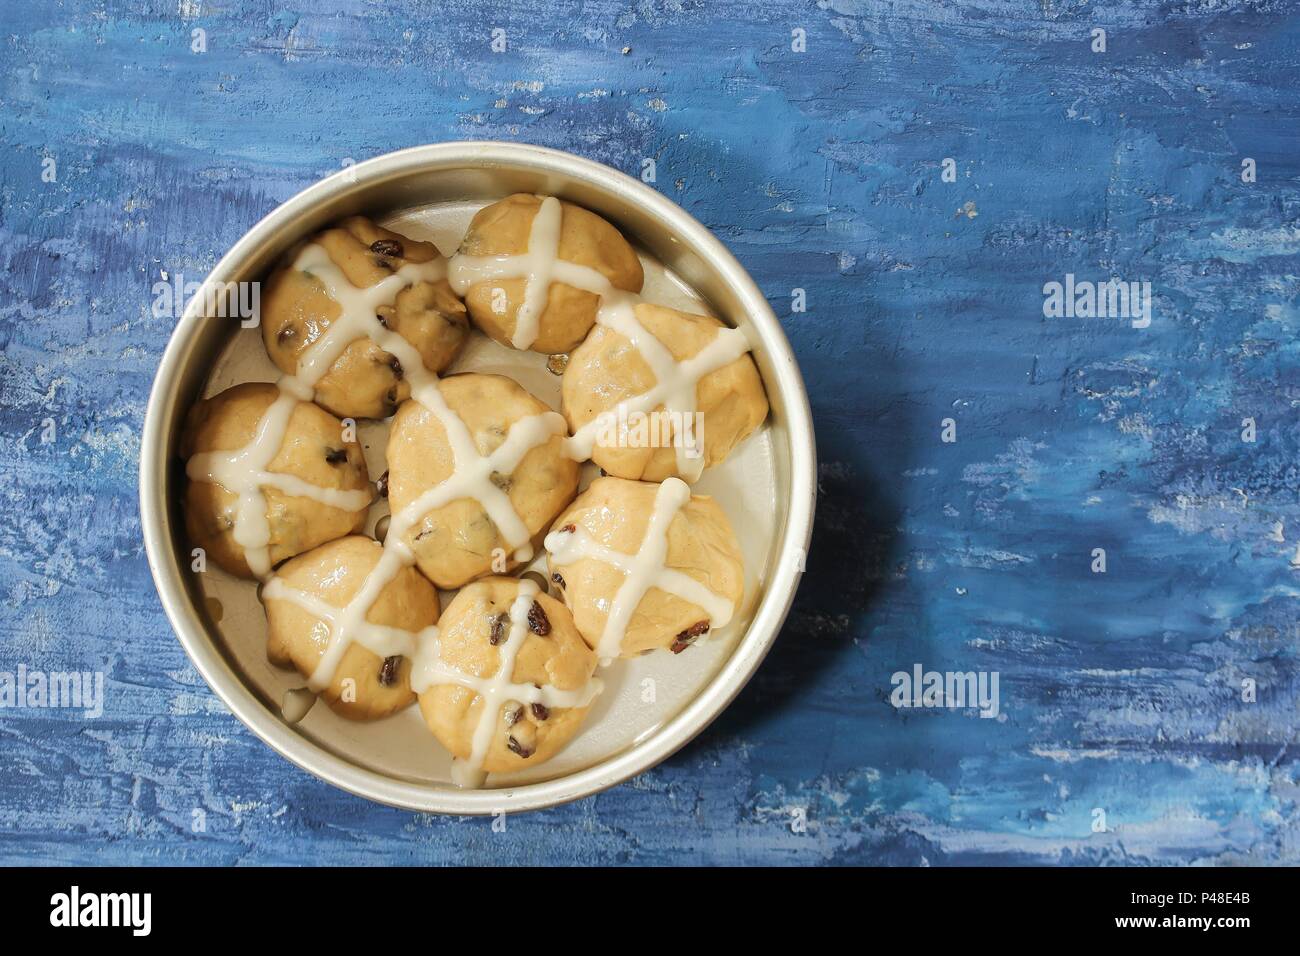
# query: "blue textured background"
{"type": "Point", "coordinates": [821, 170]}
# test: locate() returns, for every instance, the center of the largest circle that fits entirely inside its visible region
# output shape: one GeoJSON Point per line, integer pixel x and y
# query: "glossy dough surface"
{"type": "Point", "coordinates": [560, 659]}
{"type": "Point", "coordinates": [454, 544]}
{"type": "Point", "coordinates": [364, 381]}
{"type": "Point", "coordinates": [313, 450]}
{"type": "Point", "coordinates": [502, 229]}
{"type": "Point", "coordinates": [363, 686]}
{"type": "Point", "coordinates": [616, 513]}
{"type": "Point", "coordinates": [606, 370]}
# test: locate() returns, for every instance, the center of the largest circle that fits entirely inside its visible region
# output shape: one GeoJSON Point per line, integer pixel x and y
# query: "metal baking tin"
{"type": "Point", "coordinates": [444, 172]}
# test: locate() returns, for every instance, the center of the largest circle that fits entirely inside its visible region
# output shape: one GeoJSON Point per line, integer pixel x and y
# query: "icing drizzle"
{"type": "Point", "coordinates": [540, 265]}
{"type": "Point", "coordinates": [675, 382]}
{"type": "Point", "coordinates": [646, 569]}
{"type": "Point", "coordinates": [429, 670]}
{"type": "Point", "coordinates": [244, 473]}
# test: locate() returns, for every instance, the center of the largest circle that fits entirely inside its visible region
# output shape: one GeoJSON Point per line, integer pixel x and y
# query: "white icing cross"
{"type": "Point", "coordinates": [645, 569]}
{"type": "Point", "coordinates": [243, 472]}
{"type": "Point", "coordinates": [430, 670]}
{"type": "Point", "coordinates": [348, 624]}
{"type": "Point", "coordinates": [675, 385]}
{"type": "Point", "coordinates": [539, 265]}
{"type": "Point", "coordinates": [471, 481]}
{"type": "Point", "coordinates": [471, 472]}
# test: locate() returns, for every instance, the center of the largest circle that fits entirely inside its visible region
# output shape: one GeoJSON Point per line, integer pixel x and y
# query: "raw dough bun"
{"type": "Point", "coordinates": [605, 370]}
{"type": "Point", "coordinates": [365, 381]}
{"type": "Point", "coordinates": [560, 660]}
{"type": "Point", "coordinates": [502, 229]}
{"type": "Point", "coordinates": [334, 573]}
{"type": "Point", "coordinates": [228, 422]}
{"type": "Point", "coordinates": [615, 513]}
{"type": "Point", "coordinates": [453, 544]}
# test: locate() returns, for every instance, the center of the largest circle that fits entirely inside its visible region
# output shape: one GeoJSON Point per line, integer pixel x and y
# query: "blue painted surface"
{"type": "Point", "coordinates": [1120, 692]}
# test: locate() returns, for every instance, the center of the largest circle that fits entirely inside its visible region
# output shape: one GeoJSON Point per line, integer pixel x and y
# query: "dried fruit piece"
{"type": "Point", "coordinates": [537, 620]}
{"type": "Point", "coordinates": [381, 484]}
{"type": "Point", "coordinates": [336, 456]}
{"type": "Point", "coordinates": [500, 629]}
{"type": "Point", "coordinates": [518, 748]}
{"type": "Point", "coordinates": [388, 670]}
{"type": "Point", "coordinates": [512, 715]}
{"type": "Point", "coordinates": [540, 711]}
{"type": "Point", "coordinates": [558, 578]}
{"type": "Point", "coordinates": [501, 481]}
{"type": "Point", "coordinates": [556, 364]}
{"type": "Point", "coordinates": [687, 637]}
{"type": "Point", "coordinates": [387, 247]}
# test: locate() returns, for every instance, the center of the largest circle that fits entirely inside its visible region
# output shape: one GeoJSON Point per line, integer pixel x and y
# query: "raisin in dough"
{"type": "Point", "coordinates": [606, 370]}
{"type": "Point", "coordinates": [525, 735]}
{"type": "Point", "coordinates": [615, 513]}
{"type": "Point", "coordinates": [364, 381]}
{"type": "Point", "coordinates": [313, 450]}
{"type": "Point", "coordinates": [454, 544]}
{"type": "Point", "coordinates": [502, 229]}
{"type": "Point", "coordinates": [364, 686]}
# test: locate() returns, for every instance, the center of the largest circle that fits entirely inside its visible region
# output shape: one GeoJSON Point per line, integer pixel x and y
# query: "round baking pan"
{"type": "Point", "coordinates": [446, 173]}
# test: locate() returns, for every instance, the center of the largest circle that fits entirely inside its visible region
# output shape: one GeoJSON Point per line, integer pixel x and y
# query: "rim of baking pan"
{"type": "Point", "coordinates": [676, 732]}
